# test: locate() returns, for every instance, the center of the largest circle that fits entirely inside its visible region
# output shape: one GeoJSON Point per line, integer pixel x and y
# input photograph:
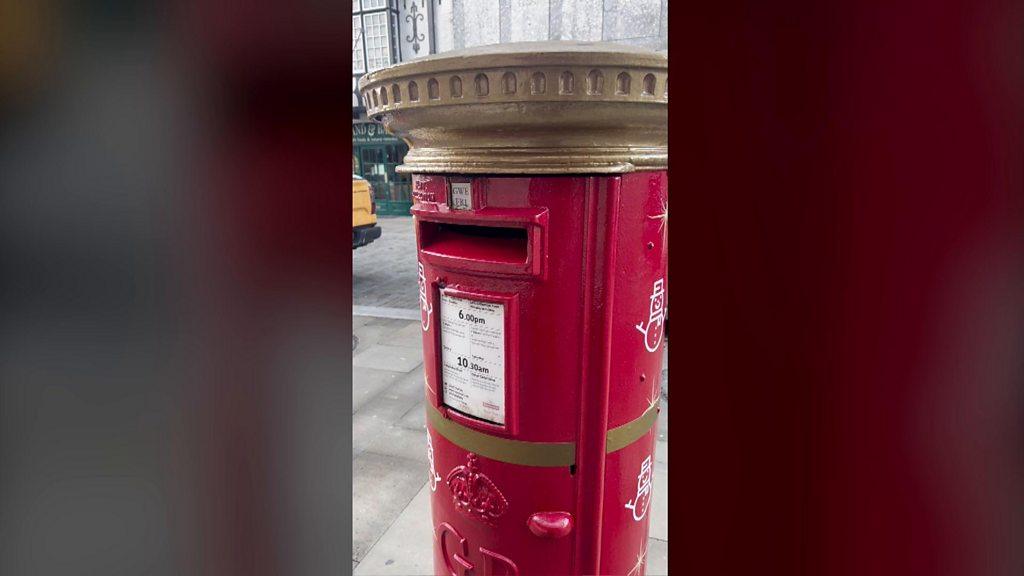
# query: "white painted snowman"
{"type": "Point", "coordinates": [655, 328]}
{"type": "Point", "coordinates": [642, 500]}
{"type": "Point", "coordinates": [425, 307]}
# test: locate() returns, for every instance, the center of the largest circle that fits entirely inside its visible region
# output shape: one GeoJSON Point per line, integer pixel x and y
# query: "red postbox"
{"type": "Point", "coordinates": [540, 191]}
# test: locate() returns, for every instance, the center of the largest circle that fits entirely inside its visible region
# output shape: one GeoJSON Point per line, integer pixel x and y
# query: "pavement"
{"type": "Point", "coordinates": [391, 527]}
{"type": "Point", "coordinates": [384, 272]}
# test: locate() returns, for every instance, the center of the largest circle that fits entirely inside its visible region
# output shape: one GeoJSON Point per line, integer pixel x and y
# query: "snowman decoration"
{"type": "Point", "coordinates": [432, 476]}
{"type": "Point", "coordinates": [642, 500]}
{"type": "Point", "coordinates": [425, 307]}
{"type": "Point", "coordinates": [655, 328]}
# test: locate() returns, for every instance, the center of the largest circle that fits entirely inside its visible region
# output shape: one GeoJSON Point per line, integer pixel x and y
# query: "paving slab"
{"type": "Point", "coordinates": [384, 272]}
{"type": "Point", "coordinates": [659, 501]}
{"type": "Point", "coordinates": [384, 357]}
{"type": "Point", "coordinates": [367, 383]}
{"type": "Point", "coordinates": [383, 330]}
{"type": "Point", "coordinates": [409, 388]}
{"type": "Point", "coordinates": [663, 421]}
{"type": "Point", "coordinates": [392, 403]}
{"type": "Point", "coordinates": [397, 552]}
{"type": "Point", "coordinates": [402, 443]}
{"type": "Point", "coordinates": [382, 487]}
{"type": "Point", "coordinates": [374, 419]}
{"type": "Point", "coordinates": [415, 418]}
{"type": "Point", "coordinates": [411, 335]}
{"type": "Point", "coordinates": [395, 323]}
{"type": "Point", "coordinates": [370, 334]}
{"type": "Point", "coordinates": [657, 557]}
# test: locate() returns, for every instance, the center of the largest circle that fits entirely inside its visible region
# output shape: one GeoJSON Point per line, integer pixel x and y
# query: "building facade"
{"type": "Point", "coordinates": [387, 32]}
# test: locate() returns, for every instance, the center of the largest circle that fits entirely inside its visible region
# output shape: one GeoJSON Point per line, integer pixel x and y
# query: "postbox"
{"type": "Point", "coordinates": [540, 191]}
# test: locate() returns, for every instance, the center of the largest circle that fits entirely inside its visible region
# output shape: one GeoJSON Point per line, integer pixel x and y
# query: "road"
{"type": "Point", "coordinates": [384, 272]}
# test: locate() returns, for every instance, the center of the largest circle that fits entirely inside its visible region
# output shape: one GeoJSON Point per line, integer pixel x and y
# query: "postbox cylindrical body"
{"type": "Point", "coordinates": [542, 226]}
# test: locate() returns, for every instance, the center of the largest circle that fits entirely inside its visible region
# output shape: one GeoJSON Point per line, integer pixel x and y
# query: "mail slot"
{"type": "Point", "coordinates": [540, 190]}
{"type": "Point", "coordinates": [494, 240]}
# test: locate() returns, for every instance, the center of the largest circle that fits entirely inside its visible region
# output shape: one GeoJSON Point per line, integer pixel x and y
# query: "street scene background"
{"type": "Point", "coordinates": [392, 531]}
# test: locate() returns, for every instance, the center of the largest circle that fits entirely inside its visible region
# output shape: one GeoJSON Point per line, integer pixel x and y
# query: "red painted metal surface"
{"type": "Point", "coordinates": [580, 264]}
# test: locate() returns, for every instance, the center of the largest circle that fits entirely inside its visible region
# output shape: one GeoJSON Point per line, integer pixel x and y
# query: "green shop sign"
{"type": "Point", "coordinates": [370, 133]}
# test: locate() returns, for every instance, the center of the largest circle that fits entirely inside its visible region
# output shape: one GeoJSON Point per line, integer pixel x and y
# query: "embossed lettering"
{"type": "Point", "coordinates": [456, 565]}
{"type": "Point", "coordinates": [497, 565]}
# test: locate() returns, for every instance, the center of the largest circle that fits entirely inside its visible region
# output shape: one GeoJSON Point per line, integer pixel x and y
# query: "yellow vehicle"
{"type": "Point", "coordinates": [364, 213]}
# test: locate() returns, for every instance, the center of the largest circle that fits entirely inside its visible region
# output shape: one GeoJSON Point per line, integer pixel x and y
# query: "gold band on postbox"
{"type": "Point", "coordinates": [547, 454]}
{"type": "Point", "coordinates": [542, 454]}
{"type": "Point", "coordinates": [622, 436]}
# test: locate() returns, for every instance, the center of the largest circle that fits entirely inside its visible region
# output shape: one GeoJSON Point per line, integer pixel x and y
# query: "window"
{"type": "Point", "coordinates": [394, 38]}
{"type": "Point", "coordinates": [371, 4]}
{"type": "Point", "coordinates": [358, 66]}
{"type": "Point", "coordinates": [375, 35]}
{"type": "Point", "coordinates": [355, 6]}
{"type": "Point", "coordinates": [393, 154]}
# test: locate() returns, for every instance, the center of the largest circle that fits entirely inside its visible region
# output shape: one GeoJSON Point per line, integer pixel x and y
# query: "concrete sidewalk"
{"type": "Point", "coordinates": [384, 272]}
{"type": "Point", "coordinates": [392, 531]}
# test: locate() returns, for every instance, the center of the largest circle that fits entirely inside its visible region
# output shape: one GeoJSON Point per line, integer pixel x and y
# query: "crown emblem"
{"type": "Point", "coordinates": [474, 494]}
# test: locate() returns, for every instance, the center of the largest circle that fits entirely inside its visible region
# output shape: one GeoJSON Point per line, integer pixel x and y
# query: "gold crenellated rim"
{"type": "Point", "coordinates": [530, 107]}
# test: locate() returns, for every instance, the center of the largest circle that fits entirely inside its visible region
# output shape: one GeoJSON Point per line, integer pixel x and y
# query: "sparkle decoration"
{"type": "Point", "coordinates": [662, 218]}
{"type": "Point", "coordinates": [426, 381]}
{"type": "Point", "coordinates": [655, 397]}
{"type": "Point", "coordinates": [641, 559]}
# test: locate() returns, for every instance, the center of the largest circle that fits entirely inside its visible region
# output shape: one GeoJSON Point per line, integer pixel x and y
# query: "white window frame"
{"type": "Point", "coordinates": [368, 40]}
{"type": "Point", "coordinates": [358, 46]}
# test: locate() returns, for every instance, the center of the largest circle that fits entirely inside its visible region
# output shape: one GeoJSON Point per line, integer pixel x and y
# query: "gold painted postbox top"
{"type": "Point", "coordinates": [527, 108]}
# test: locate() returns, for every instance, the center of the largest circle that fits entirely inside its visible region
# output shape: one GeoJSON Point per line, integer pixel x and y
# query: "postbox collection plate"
{"type": "Point", "coordinates": [473, 357]}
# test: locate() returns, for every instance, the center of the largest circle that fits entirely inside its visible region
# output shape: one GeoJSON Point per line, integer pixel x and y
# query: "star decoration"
{"type": "Point", "coordinates": [426, 381]}
{"type": "Point", "coordinates": [663, 217]}
{"type": "Point", "coordinates": [641, 559]}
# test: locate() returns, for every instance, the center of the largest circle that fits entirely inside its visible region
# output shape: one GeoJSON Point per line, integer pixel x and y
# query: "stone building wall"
{"type": "Point", "coordinates": [423, 27]}
{"type": "Point", "coordinates": [466, 23]}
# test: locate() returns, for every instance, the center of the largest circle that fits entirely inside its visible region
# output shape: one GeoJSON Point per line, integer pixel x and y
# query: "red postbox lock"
{"type": "Point", "coordinates": [540, 191]}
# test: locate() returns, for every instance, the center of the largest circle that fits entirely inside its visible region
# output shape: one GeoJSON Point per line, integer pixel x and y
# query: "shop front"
{"type": "Point", "coordinates": [375, 156]}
